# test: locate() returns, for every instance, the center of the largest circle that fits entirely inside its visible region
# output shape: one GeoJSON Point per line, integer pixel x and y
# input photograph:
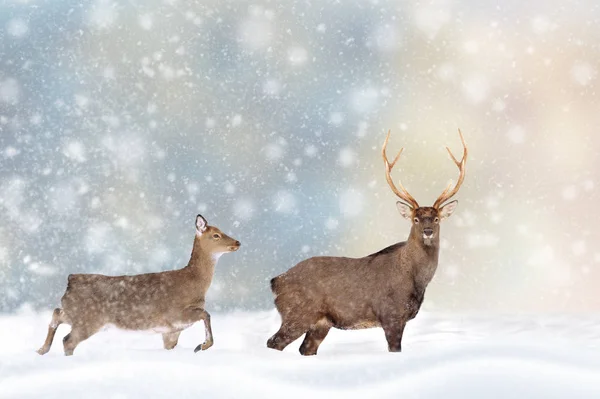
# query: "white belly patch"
{"type": "Point", "coordinates": [175, 327]}
{"type": "Point", "coordinates": [172, 328]}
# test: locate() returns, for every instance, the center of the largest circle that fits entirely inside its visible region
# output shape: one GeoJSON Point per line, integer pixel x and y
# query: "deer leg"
{"type": "Point", "coordinates": [314, 337]}
{"type": "Point", "coordinates": [288, 333]}
{"type": "Point", "coordinates": [393, 334]}
{"type": "Point", "coordinates": [170, 340]}
{"type": "Point", "coordinates": [192, 315]}
{"type": "Point", "coordinates": [57, 319]}
{"type": "Point", "coordinates": [78, 334]}
{"type": "Point", "coordinates": [208, 336]}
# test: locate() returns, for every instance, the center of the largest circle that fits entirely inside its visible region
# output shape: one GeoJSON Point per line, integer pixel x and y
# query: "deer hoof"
{"type": "Point", "coordinates": [204, 346]}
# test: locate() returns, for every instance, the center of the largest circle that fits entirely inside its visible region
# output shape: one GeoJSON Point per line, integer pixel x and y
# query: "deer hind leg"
{"type": "Point", "coordinates": [297, 318]}
{"type": "Point", "coordinates": [57, 319]}
{"type": "Point", "coordinates": [291, 329]}
{"type": "Point", "coordinates": [170, 339]}
{"type": "Point", "coordinates": [314, 337]}
{"type": "Point", "coordinates": [78, 334]}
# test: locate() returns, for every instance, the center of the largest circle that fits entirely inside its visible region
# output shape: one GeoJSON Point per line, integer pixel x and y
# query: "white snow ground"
{"type": "Point", "coordinates": [450, 356]}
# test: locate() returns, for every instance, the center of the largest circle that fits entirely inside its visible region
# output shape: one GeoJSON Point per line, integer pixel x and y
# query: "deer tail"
{"type": "Point", "coordinates": [274, 285]}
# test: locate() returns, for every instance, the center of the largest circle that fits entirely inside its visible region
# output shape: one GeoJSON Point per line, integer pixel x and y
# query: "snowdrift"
{"type": "Point", "coordinates": [450, 356]}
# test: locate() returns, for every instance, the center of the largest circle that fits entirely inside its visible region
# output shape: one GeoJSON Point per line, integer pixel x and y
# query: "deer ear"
{"type": "Point", "coordinates": [447, 209]}
{"type": "Point", "coordinates": [201, 224]}
{"type": "Point", "coordinates": [405, 210]}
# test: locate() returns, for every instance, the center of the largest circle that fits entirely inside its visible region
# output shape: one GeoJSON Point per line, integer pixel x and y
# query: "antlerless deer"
{"type": "Point", "coordinates": [166, 302]}
{"type": "Point", "coordinates": [384, 289]}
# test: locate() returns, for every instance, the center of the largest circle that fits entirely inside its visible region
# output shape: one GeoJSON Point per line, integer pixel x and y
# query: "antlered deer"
{"type": "Point", "coordinates": [167, 302]}
{"type": "Point", "coordinates": [384, 289]}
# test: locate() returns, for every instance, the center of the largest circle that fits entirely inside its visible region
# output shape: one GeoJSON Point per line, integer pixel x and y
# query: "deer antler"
{"type": "Point", "coordinates": [402, 193]}
{"type": "Point", "coordinates": [449, 192]}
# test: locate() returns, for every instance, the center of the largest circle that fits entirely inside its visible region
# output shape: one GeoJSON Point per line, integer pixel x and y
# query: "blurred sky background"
{"type": "Point", "coordinates": [120, 121]}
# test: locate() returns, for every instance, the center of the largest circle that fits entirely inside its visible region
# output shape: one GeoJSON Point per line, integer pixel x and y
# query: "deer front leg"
{"type": "Point", "coordinates": [394, 328]}
{"type": "Point", "coordinates": [208, 340]}
{"type": "Point", "coordinates": [192, 315]}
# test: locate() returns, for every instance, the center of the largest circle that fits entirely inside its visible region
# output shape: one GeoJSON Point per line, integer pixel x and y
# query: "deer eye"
{"type": "Point", "coordinates": [436, 220]}
{"type": "Point", "coordinates": [216, 236]}
{"type": "Point", "coordinates": [416, 220]}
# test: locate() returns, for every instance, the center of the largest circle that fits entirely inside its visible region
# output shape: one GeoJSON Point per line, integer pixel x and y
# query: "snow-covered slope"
{"type": "Point", "coordinates": [450, 356]}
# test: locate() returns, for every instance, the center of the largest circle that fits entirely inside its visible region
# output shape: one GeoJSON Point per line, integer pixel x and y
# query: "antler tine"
{"type": "Point", "coordinates": [402, 193]}
{"type": "Point", "coordinates": [389, 165]}
{"type": "Point", "coordinates": [448, 192]}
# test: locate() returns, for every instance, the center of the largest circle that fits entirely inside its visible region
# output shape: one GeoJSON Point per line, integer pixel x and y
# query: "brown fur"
{"type": "Point", "coordinates": [384, 289]}
{"type": "Point", "coordinates": [167, 302]}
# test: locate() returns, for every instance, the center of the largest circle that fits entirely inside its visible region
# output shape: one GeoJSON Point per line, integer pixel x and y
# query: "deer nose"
{"type": "Point", "coordinates": [428, 232]}
{"type": "Point", "coordinates": [237, 243]}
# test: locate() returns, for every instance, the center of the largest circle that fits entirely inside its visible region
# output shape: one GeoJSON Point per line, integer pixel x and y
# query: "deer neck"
{"type": "Point", "coordinates": [203, 261]}
{"type": "Point", "coordinates": [423, 258]}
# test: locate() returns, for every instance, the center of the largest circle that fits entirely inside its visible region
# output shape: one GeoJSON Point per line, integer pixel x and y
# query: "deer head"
{"type": "Point", "coordinates": [214, 240]}
{"type": "Point", "coordinates": [425, 220]}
